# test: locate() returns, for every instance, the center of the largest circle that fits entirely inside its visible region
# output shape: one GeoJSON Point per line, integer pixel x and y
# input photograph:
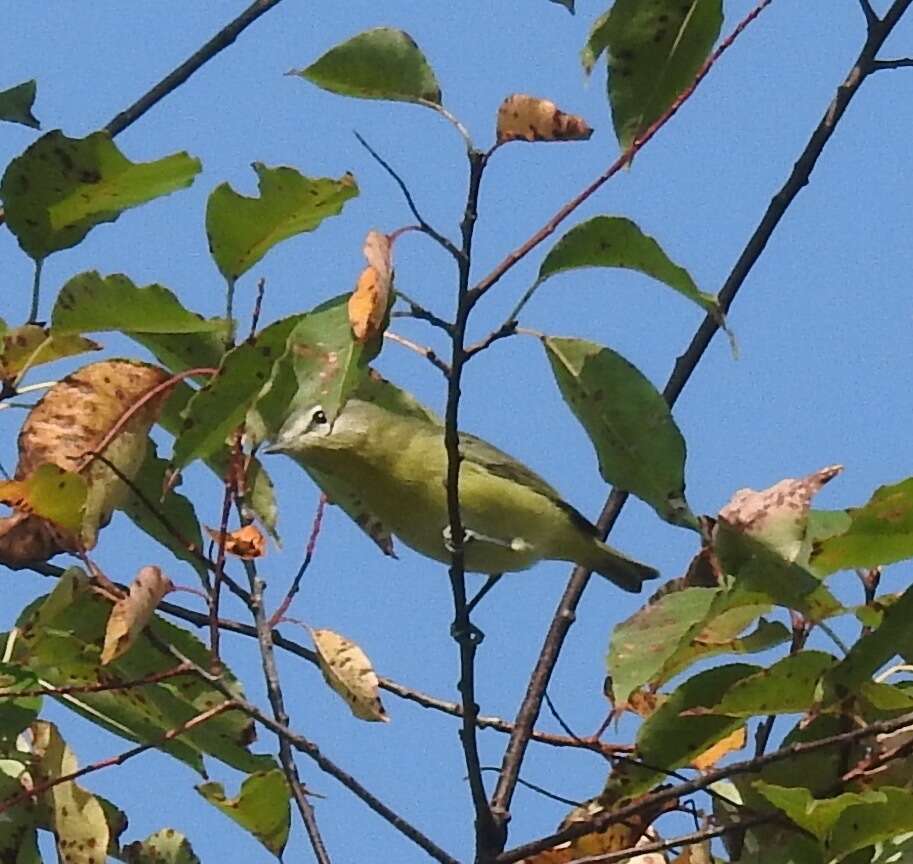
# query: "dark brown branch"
{"type": "Point", "coordinates": [682, 372]}
{"type": "Point", "coordinates": [424, 227]}
{"type": "Point", "coordinates": [871, 18]}
{"type": "Point", "coordinates": [419, 312]}
{"type": "Point", "coordinates": [898, 63]}
{"type": "Point", "coordinates": [225, 37]}
{"type": "Point", "coordinates": [99, 686]}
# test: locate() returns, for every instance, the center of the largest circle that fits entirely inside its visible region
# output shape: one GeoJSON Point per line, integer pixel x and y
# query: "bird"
{"type": "Point", "coordinates": [512, 518]}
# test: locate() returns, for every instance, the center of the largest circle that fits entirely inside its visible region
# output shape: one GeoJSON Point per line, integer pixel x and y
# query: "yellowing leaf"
{"type": "Point", "coordinates": [247, 542]}
{"type": "Point", "coordinates": [132, 613]}
{"type": "Point", "coordinates": [370, 302]}
{"type": "Point", "coordinates": [30, 345]}
{"type": "Point", "coordinates": [349, 672]}
{"type": "Point", "coordinates": [51, 493]}
{"type": "Point", "coordinates": [778, 516]}
{"type": "Point", "coordinates": [526, 118]}
{"type": "Point", "coordinates": [729, 744]}
{"type": "Point", "coordinates": [77, 818]}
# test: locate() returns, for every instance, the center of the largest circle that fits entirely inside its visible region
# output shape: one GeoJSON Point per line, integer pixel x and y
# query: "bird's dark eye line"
{"type": "Point", "coordinates": [319, 417]}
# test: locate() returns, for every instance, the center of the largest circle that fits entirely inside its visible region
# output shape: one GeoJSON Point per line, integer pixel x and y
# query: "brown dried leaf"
{"type": "Point", "coordinates": [247, 542]}
{"type": "Point", "coordinates": [132, 613]}
{"type": "Point", "coordinates": [729, 744]}
{"type": "Point", "coordinates": [349, 672]}
{"type": "Point", "coordinates": [778, 515]}
{"type": "Point", "coordinates": [370, 301]}
{"type": "Point", "coordinates": [526, 118]}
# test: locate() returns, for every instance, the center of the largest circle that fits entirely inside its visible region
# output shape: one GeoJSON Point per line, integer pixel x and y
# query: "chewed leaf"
{"type": "Point", "coordinates": [16, 104]}
{"type": "Point", "coordinates": [378, 64]}
{"type": "Point", "coordinates": [90, 303]}
{"type": "Point", "coordinates": [246, 543]}
{"type": "Point", "coordinates": [261, 807]}
{"type": "Point", "coordinates": [526, 118]}
{"type": "Point", "coordinates": [132, 613]}
{"type": "Point", "coordinates": [164, 847]}
{"type": "Point", "coordinates": [50, 493]}
{"type": "Point", "coordinates": [30, 345]}
{"type": "Point", "coordinates": [655, 48]}
{"type": "Point", "coordinates": [349, 672]}
{"type": "Point", "coordinates": [778, 516]}
{"type": "Point", "coordinates": [369, 304]}
{"type": "Point", "coordinates": [241, 230]}
{"type": "Point", "coordinates": [639, 446]}
{"type": "Point", "coordinates": [61, 188]}
{"type": "Point", "coordinates": [614, 241]}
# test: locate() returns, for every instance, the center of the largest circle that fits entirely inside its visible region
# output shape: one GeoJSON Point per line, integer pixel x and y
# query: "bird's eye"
{"type": "Point", "coordinates": [319, 417]}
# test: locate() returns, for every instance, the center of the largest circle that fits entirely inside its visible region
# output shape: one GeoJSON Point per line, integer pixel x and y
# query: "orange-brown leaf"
{"type": "Point", "coordinates": [526, 118]}
{"type": "Point", "coordinates": [247, 542]}
{"type": "Point", "coordinates": [132, 613]}
{"type": "Point", "coordinates": [729, 744]}
{"type": "Point", "coordinates": [371, 299]}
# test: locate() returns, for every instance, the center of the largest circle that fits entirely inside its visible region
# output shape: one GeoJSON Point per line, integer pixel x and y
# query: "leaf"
{"type": "Point", "coordinates": [642, 644]}
{"type": "Point", "coordinates": [132, 613]}
{"type": "Point", "coordinates": [349, 672]}
{"type": "Point", "coordinates": [170, 519]}
{"type": "Point", "coordinates": [163, 847]}
{"type": "Point", "coordinates": [655, 47]}
{"type": "Point", "coordinates": [526, 118]}
{"type": "Point", "coordinates": [241, 230]}
{"type": "Point", "coordinates": [568, 4]}
{"type": "Point", "coordinates": [369, 305]}
{"type": "Point", "coordinates": [639, 447]}
{"type": "Point", "coordinates": [871, 822]}
{"type": "Point", "coordinates": [29, 346]}
{"type": "Point", "coordinates": [613, 241]}
{"type": "Point", "coordinates": [879, 532]}
{"type": "Point", "coordinates": [723, 747]}
{"type": "Point", "coordinates": [90, 303]}
{"type": "Point", "coordinates": [51, 493]}
{"type": "Point", "coordinates": [16, 104]}
{"type": "Point", "coordinates": [60, 188]}
{"type": "Point", "coordinates": [778, 516]}
{"type": "Point", "coordinates": [76, 817]}
{"type": "Point", "coordinates": [18, 841]}
{"type": "Point", "coordinates": [219, 407]}
{"type": "Point", "coordinates": [16, 713]}
{"type": "Point", "coordinates": [261, 807]}
{"type": "Point", "coordinates": [246, 543]}
{"type": "Point", "coordinates": [377, 64]}
{"type": "Point", "coordinates": [376, 389]}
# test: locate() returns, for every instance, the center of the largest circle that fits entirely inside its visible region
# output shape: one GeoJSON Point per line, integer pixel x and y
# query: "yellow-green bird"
{"type": "Point", "coordinates": [512, 518]}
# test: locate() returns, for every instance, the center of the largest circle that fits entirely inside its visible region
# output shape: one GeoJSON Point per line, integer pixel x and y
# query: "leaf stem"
{"type": "Point", "coordinates": [36, 292]}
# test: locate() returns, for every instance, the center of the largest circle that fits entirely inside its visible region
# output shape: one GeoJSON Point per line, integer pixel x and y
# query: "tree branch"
{"type": "Point", "coordinates": [898, 63]}
{"type": "Point", "coordinates": [683, 369]}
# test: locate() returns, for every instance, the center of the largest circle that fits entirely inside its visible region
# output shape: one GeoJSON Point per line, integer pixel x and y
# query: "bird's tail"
{"type": "Point", "coordinates": [626, 573]}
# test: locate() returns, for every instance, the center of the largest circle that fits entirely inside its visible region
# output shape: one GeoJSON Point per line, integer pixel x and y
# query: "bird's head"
{"type": "Point", "coordinates": [309, 429]}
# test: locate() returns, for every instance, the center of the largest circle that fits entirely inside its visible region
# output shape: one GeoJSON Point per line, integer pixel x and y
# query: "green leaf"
{"type": "Point", "coordinates": [242, 230]}
{"type": "Point", "coordinates": [61, 188]}
{"type": "Point", "coordinates": [219, 407]}
{"type": "Point", "coordinates": [377, 389]}
{"type": "Point", "coordinates": [29, 346]}
{"type": "Point", "coordinates": [670, 740]}
{"type": "Point", "coordinates": [90, 302]}
{"type": "Point", "coordinates": [163, 847]}
{"type": "Point", "coordinates": [261, 807]}
{"type": "Point", "coordinates": [51, 493]}
{"type": "Point", "coordinates": [642, 644]}
{"type": "Point", "coordinates": [639, 447]}
{"type": "Point", "coordinates": [655, 47]}
{"type": "Point", "coordinates": [759, 569]}
{"type": "Point", "coordinates": [16, 713]}
{"type": "Point", "coordinates": [162, 519]}
{"type": "Point", "coordinates": [16, 104]}
{"type": "Point", "coordinates": [872, 821]}
{"type": "Point", "coordinates": [613, 241]}
{"type": "Point", "coordinates": [880, 532]}
{"type": "Point", "coordinates": [790, 686]}
{"type": "Point", "coordinates": [18, 829]}
{"type": "Point", "coordinates": [377, 64]}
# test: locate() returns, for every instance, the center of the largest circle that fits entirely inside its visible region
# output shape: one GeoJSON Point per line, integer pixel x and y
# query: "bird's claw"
{"type": "Point", "coordinates": [470, 633]}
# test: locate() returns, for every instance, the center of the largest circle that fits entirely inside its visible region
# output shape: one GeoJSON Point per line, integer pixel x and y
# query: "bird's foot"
{"type": "Point", "coordinates": [468, 633]}
{"type": "Point", "coordinates": [515, 544]}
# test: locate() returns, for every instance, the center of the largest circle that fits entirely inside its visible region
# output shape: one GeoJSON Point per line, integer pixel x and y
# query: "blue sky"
{"type": "Point", "coordinates": [823, 329]}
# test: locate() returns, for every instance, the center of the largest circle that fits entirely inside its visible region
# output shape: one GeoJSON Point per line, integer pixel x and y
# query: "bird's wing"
{"type": "Point", "coordinates": [497, 462]}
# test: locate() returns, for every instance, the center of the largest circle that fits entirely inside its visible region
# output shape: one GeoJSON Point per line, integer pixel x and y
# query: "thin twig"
{"type": "Point", "coordinates": [871, 17]}
{"type": "Point", "coordinates": [423, 225]}
{"type": "Point", "coordinates": [99, 686]}
{"type": "Point", "coordinates": [423, 351]}
{"type": "Point", "coordinates": [541, 790]}
{"type": "Point", "coordinates": [508, 328]}
{"type": "Point", "coordinates": [684, 368]}
{"type": "Point", "coordinates": [36, 292]}
{"type": "Point", "coordinates": [258, 306]}
{"type": "Point", "coordinates": [416, 310]}
{"type": "Point", "coordinates": [897, 63]}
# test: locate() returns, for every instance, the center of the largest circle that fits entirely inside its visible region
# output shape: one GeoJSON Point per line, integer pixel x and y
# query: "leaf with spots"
{"type": "Point", "coordinates": [132, 613]}
{"type": "Point", "coordinates": [247, 542]}
{"type": "Point", "coordinates": [60, 188]}
{"type": "Point", "coordinates": [349, 672]}
{"type": "Point", "coordinates": [219, 407]}
{"type": "Point", "coordinates": [16, 104]}
{"type": "Point", "coordinates": [90, 303]}
{"type": "Point", "coordinates": [30, 345]}
{"type": "Point", "coordinates": [527, 118]}
{"type": "Point", "coordinates": [614, 241]}
{"type": "Point", "coordinates": [241, 230]}
{"type": "Point", "coordinates": [18, 829]}
{"type": "Point", "coordinates": [879, 532]}
{"type": "Point", "coordinates": [52, 494]}
{"type": "Point", "coordinates": [163, 847]}
{"type": "Point", "coordinates": [16, 713]}
{"type": "Point", "coordinates": [76, 817]}
{"type": "Point", "coordinates": [262, 807]}
{"type": "Point", "coordinates": [639, 446]}
{"type": "Point", "coordinates": [655, 49]}
{"type": "Point", "coordinates": [377, 64]}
